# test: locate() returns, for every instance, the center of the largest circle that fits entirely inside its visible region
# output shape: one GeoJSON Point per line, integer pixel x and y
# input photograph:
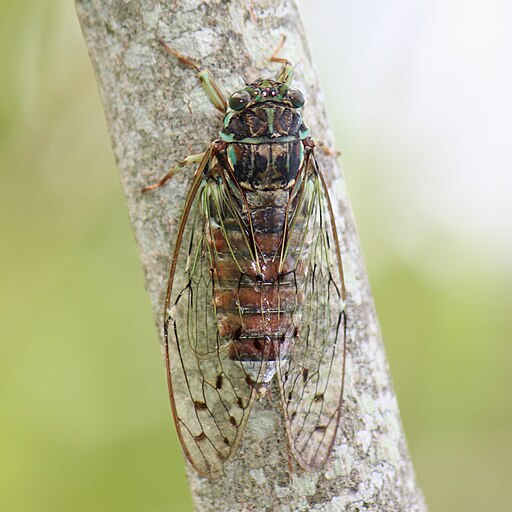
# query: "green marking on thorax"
{"type": "Point", "coordinates": [229, 137]}
{"type": "Point", "coordinates": [227, 118]}
{"type": "Point", "coordinates": [232, 155]}
{"type": "Point", "coordinates": [270, 119]}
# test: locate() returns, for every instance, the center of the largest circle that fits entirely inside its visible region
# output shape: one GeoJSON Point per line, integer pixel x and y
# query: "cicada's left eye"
{"type": "Point", "coordinates": [239, 100]}
{"type": "Point", "coordinates": [296, 97]}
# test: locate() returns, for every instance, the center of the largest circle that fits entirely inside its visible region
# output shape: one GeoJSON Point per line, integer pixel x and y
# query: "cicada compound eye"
{"type": "Point", "coordinates": [239, 100]}
{"type": "Point", "coordinates": [296, 97]}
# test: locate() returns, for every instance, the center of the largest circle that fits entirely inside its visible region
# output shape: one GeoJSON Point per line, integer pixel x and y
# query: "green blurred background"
{"type": "Point", "coordinates": [419, 99]}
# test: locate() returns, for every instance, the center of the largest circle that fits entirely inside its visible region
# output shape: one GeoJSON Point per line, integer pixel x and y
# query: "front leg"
{"type": "Point", "coordinates": [327, 150]}
{"type": "Point", "coordinates": [191, 159]}
{"type": "Point", "coordinates": [205, 78]}
{"type": "Point", "coordinates": [286, 73]}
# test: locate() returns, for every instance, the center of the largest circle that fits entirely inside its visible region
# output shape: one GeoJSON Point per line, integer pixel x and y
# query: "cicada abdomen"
{"type": "Point", "coordinates": [260, 301]}
{"type": "Point", "coordinates": [256, 287]}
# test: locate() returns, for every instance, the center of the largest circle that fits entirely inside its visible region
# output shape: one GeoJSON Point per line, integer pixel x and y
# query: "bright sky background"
{"type": "Point", "coordinates": [426, 87]}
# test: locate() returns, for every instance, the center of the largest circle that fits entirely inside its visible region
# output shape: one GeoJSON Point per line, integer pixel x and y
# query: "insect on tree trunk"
{"type": "Point", "coordinates": [157, 114]}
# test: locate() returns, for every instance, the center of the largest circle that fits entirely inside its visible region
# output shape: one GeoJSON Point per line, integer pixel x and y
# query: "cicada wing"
{"type": "Point", "coordinates": [311, 373]}
{"type": "Point", "coordinates": [211, 394]}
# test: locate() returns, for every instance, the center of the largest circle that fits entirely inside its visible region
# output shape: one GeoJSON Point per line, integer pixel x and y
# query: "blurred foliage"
{"type": "Point", "coordinates": [85, 417]}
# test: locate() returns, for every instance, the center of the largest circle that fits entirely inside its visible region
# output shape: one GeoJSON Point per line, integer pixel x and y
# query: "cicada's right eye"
{"type": "Point", "coordinates": [239, 100]}
{"type": "Point", "coordinates": [296, 97]}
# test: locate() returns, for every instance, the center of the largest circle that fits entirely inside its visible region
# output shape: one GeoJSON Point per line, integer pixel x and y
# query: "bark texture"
{"type": "Point", "coordinates": [157, 114]}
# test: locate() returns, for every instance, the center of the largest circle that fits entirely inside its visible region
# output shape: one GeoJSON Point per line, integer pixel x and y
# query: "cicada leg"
{"type": "Point", "coordinates": [286, 73]}
{"type": "Point", "coordinates": [327, 150]}
{"type": "Point", "coordinates": [205, 78]}
{"type": "Point", "coordinates": [191, 159]}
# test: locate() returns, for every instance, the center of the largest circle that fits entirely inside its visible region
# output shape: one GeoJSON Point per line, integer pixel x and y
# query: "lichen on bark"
{"type": "Point", "coordinates": [157, 114]}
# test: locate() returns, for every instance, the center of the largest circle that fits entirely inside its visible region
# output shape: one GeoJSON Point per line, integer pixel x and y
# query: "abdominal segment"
{"type": "Point", "coordinates": [258, 302]}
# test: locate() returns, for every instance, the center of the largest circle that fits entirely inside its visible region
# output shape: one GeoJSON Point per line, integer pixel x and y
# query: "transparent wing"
{"type": "Point", "coordinates": [311, 373]}
{"type": "Point", "coordinates": [211, 394]}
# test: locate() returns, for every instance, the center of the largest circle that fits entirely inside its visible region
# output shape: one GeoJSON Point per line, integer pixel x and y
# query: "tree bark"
{"type": "Point", "coordinates": [157, 114]}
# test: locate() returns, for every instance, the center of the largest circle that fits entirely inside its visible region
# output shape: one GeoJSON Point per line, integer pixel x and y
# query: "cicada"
{"type": "Point", "coordinates": [256, 290]}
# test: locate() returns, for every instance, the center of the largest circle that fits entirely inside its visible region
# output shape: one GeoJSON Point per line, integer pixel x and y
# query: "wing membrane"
{"type": "Point", "coordinates": [211, 391]}
{"type": "Point", "coordinates": [311, 375]}
{"type": "Point", "coordinates": [211, 394]}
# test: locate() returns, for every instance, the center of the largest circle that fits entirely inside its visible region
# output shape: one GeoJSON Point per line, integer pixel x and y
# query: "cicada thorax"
{"type": "Point", "coordinates": [265, 148]}
{"type": "Point", "coordinates": [259, 274]}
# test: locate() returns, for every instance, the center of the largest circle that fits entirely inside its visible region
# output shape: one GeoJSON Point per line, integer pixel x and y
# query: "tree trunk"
{"type": "Point", "coordinates": [157, 114]}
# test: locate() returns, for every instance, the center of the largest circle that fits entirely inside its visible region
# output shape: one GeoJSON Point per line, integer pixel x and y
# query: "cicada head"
{"type": "Point", "coordinates": [263, 91]}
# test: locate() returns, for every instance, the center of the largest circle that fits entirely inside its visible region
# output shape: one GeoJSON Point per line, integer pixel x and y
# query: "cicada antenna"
{"type": "Point", "coordinates": [243, 78]}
